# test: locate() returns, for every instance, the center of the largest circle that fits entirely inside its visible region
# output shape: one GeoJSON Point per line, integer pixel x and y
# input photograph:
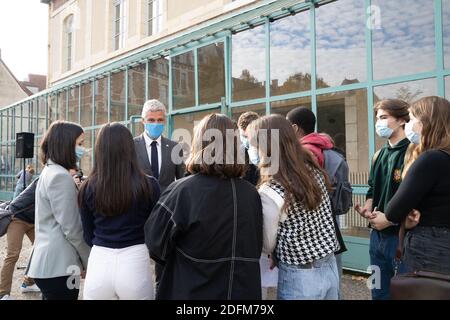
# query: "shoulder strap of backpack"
{"type": "Point", "coordinates": [375, 156]}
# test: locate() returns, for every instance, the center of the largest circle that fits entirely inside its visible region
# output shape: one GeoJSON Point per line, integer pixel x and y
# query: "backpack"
{"type": "Point", "coordinates": [337, 169]}
{"type": "Point", "coordinates": [5, 218]}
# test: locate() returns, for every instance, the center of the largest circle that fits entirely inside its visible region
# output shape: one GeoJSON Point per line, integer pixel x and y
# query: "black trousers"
{"type": "Point", "coordinates": [57, 289]}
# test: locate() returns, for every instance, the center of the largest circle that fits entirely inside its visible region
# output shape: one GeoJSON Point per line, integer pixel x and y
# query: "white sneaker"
{"type": "Point", "coordinates": [7, 297]}
{"type": "Point", "coordinates": [24, 288]}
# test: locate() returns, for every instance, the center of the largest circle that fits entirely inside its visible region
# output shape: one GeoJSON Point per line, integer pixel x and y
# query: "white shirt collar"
{"type": "Point", "coordinates": [148, 140]}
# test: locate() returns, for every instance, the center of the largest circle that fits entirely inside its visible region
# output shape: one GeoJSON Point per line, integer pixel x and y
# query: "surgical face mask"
{"type": "Point", "coordinates": [244, 141]}
{"type": "Point", "coordinates": [154, 130]}
{"type": "Point", "coordinates": [253, 155]}
{"type": "Point", "coordinates": [79, 152]}
{"type": "Point", "coordinates": [412, 136]}
{"type": "Point", "coordinates": [382, 129]}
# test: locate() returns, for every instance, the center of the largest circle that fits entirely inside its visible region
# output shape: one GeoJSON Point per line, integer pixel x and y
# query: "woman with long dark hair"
{"type": "Point", "coordinates": [297, 215]}
{"type": "Point", "coordinates": [207, 228]}
{"type": "Point", "coordinates": [115, 201]}
{"type": "Point", "coordinates": [60, 254]}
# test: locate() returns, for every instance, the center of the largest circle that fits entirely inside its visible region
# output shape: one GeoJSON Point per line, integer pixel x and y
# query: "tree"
{"type": "Point", "coordinates": [404, 93]}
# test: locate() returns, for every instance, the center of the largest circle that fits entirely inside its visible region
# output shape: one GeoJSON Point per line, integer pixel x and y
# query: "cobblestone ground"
{"type": "Point", "coordinates": [353, 285]}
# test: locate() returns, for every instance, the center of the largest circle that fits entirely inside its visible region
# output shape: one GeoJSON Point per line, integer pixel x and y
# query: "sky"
{"type": "Point", "coordinates": [23, 36]}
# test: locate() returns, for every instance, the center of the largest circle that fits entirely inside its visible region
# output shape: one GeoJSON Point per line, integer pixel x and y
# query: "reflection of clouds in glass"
{"type": "Point", "coordinates": [446, 30]}
{"type": "Point", "coordinates": [344, 65]}
{"type": "Point", "coordinates": [340, 28]}
{"type": "Point", "coordinates": [248, 53]}
{"type": "Point", "coordinates": [290, 47]}
{"type": "Point", "coordinates": [405, 42]}
{"type": "Point", "coordinates": [413, 89]}
{"type": "Point", "coordinates": [447, 87]}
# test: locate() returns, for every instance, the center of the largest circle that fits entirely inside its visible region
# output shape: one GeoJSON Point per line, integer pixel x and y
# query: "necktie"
{"type": "Point", "coordinates": [154, 157]}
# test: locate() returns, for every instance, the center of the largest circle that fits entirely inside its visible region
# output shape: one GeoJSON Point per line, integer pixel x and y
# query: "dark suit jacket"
{"type": "Point", "coordinates": [169, 171]}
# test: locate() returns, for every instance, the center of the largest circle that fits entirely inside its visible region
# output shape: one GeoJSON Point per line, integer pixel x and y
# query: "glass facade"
{"type": "Point", "coordinates": [323, 58]}
{"type": "Point", "coordinates": [290, 55]}
{"type": "Point", "coordinates": [404, 39]}
{"type": "Point", "coordinates": [249, 66]}
{"type": "Point", "coordinates": [446, 31]}
{"type": "Point", "coordinates": [340, 37]}
{"type": "Point", "coordinates": [447, 87]}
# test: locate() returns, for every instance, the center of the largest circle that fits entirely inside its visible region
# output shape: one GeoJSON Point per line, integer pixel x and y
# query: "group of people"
{"type": "Point", "coordinates": [207, 225]}
{"type": "Point", "coordinates": [409, 190]}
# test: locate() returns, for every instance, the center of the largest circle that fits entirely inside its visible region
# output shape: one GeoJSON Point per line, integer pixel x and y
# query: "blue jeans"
{"type": "Point", "coordinates": [383, 248]}
{"type": "Point", "coordinates": [321, 282]}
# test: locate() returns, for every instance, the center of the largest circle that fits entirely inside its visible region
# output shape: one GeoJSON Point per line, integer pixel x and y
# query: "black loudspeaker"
{"type": "Point", "coordinates": [24, 145]}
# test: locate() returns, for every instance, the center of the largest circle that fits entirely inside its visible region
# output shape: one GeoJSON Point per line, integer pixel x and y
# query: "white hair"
{"type": "Point", "coordinates": [152, 106]}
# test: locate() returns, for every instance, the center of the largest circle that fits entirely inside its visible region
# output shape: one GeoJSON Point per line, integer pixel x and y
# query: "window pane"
{"type": "Point", "coordinates": [248, 64]}
{"type": "Point", "coordinates": [446, 31]}
{"type": "Point", "coordinates": [136, 90]}
{"type": "Point", "coordinates": [33, 117]}
{"type": "Point", "coordinates": [41, 115]}
{"type": "Point", "coordinates": [211, 73]}
{"type": "Point", "coordinates": [86, 105]}
{"type": "Point", "coordinates": [284, 106]}
{"type": "Point", "coordinates": [25, 118]}
{"type": "Point", "coordinates": [447, 88]}
{"type": "Point", "coordinates": [101, 101]}
{"type": "Point", "coordinates": [118, 96]}
{"type": "Point", "coordinates": [62, 106]}
{"type": "Point", "coordinates": [407, 91]}
{"type": "Point", "coordinates": [158, 81]}
{"type": "Point", "coordinates": [403, 43]}
{"type": "Point", "coordinates": [52, 110]}
{"type": "Point", "coordinates": [290, 54]}
{"type": "Point", "coordinates": [86, 160]}
{"type": "Point", "coordinates": [259, 108]}
{"type": "Point", "coordinates": [188, 121]}
{"type": "Point", "coordinates": [341, 54]}
{"type": "Point", "coordinates": [343, 116]}
{"type": "Point", "coordinates": [183, 80]}
{"type": "Point", "coordinates": [73, 104]}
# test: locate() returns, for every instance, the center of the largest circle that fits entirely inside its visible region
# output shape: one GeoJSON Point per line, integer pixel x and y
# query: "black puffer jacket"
{"type": "Point", "coordinates": [24, 204]}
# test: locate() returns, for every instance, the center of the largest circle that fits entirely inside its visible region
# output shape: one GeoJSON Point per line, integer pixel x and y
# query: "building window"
{"type": "Point", "coordinates": [68, 42]}
{"type": "Point", "coordinates": [119, 23]}
{"type": "Point", "coordinates": [154, 14]}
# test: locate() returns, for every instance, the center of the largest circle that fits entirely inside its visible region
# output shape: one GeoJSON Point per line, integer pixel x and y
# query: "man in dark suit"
{"type": "Point", "coordinates": [154, 151]}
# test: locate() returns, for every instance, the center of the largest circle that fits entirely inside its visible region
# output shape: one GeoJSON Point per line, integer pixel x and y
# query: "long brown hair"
{"type": "Point", "coordinates": [59, 142]}
{"type": "Point", "coordinates": [434, 114]}
{"type": "Point", "coordinates": [116, 178]}
{"type": "Point", "coordinates": [229, 167]}
{"type": "Point", "coordinates": [296, 164]}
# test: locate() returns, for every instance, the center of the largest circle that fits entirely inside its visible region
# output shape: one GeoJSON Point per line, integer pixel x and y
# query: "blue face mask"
{"type": "Point", "coordinates": [79, 152]}
{"type": "Point", "coordinates": [253, 155]}
{"type": "Point", "coordinates": [383, 129]}
{"type": "Point", "coordinates": [244, 141]}
{"type": "Point", "coordinates": [412, 136]}
{"type": "Point", "coordinates": [154, 130]}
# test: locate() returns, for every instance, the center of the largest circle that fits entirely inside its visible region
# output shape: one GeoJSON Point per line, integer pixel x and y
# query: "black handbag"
{"type": "Point", "coordinates": [418, 285]}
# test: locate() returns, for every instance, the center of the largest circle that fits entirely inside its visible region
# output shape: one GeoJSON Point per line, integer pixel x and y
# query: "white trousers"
{"type": "Point", "coordinates": [123, 274]}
